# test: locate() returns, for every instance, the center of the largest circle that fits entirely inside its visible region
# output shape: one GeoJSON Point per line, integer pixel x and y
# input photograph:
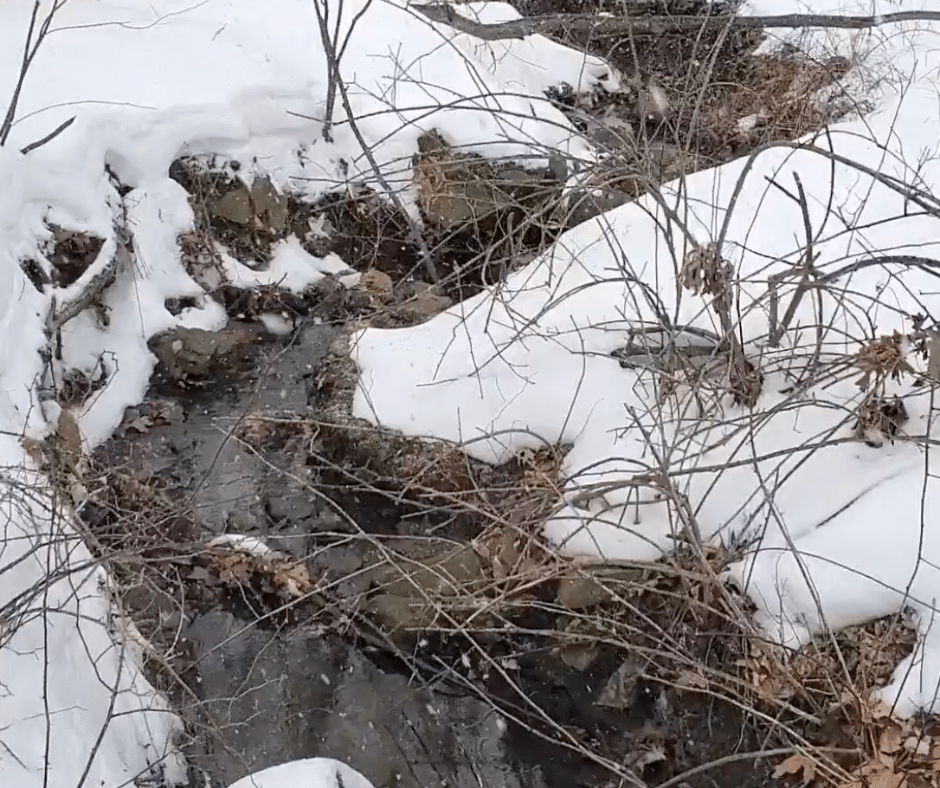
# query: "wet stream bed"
{"type": "Point", "coordinates": [261, 678]}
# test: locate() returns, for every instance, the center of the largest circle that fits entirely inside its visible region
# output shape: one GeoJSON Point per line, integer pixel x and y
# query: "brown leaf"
{"type": "Point", "coordinates": [891, 738]}
{"type": "Point", "coordinates": [886, 779]}
{"type": "Point", "coordinates": [794, 765]}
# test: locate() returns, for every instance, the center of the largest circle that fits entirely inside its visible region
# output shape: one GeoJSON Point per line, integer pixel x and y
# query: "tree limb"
{"type": "Point", "coordinates": [656, 25]}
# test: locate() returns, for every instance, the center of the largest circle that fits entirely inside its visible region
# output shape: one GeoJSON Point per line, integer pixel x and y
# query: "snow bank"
{"type": "Point", "coordinates": [309, 773]}
{"type": "Point", "coordinates": [248, 81]}
{"type": "Point", "coordinates": [532, 363]}
{"type": "Point", "coordinates": [68, 684]}
{"type": "Point", "coordinates": [148, 82]}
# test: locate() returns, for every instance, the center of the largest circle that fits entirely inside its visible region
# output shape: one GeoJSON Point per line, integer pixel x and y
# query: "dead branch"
{"type": "Point", "coordinates": [49, 137]}
{"type": "Point", "coordinates": [30, 51]}
{"type": "Point", "coordinates": [656, 25]}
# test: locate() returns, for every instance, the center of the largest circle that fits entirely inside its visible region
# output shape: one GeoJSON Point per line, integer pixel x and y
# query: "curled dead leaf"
{"type": "Point", "coordinates": [891, 738]}
{"type": "Point", "coordinates": [794, 765]}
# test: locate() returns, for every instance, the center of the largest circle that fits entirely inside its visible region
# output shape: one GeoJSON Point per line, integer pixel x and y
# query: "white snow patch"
{"type": "Point", "coordinates": [309, 773]}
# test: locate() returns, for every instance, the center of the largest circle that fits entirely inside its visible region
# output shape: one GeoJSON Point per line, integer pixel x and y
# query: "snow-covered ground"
{"type": "Point", "coordinates": [249, 80]}
{"type": "Point", "coordinates": [148, 82]}
{"type": "Point", "coordinates": [531, 363]}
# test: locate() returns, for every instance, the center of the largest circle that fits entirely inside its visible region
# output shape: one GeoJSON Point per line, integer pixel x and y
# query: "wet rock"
{"type": "Point", "coordinates": [243, 522]}
{"type": "Point", "coordinates": [294, 540]}
{"type": "Point", "coordinates": [196, 353]}
{"type": "Point", "coordinates": [295, 507]}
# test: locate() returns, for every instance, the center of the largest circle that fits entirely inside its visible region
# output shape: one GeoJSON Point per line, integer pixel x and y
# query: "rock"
{"type": "Point", "coordinates": [411, 588]}
{"type": "Point", "coordinates": [259, 206]}
{"type": "Point", "coordinates": [457, 191]}
{"type": "Point", "coordinates": [620, 689]}
{"type": "Point", "coordinates": [667, 161]}
{"type": "Point", "coordinates": [243, 522]}
{"type": "Point", "coordinates": [400, 616]}
{"type": "Point", "coordinates": [613, 131]}
{"type": "Point", "coordinates": [71, 253]}
{"type": "Point", "coordinates": [594, 586]}
{"type": "Point", "coordinates": [197, 353]}
{"type": "Point", "coordinates": [295, 540]}
{"type": "Point", "coordinates": [579, 656]}
{"type": "Point", "coordinates": [425, 302]}
{"type": "Point", "coordinates": [376, 283]}
{"type": "Point", "coordinates": [585, 203]}
{"type": "Point", "coordinates": [447, 573]}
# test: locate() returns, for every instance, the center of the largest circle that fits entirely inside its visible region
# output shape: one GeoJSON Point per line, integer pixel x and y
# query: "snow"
{"type": "Point", "coordinates": [146, 83]}
{"type": "Point", "coordinates": [531, 365]}
{"type": "Point", "coordinates": [248, 81]}
{"type": "Point", "coordinates": [309, 773]}
{"type": "Point", "coordinates": [69, 673]}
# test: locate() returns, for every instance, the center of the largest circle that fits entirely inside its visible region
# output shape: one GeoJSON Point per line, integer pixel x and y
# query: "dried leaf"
{"type": "Point", "coordinates": [891, 738]}
{"type": "Point", "coordinates": [919, 745]}
{"type": "Point", "coordinates": [886, 779]}
{"type": "Point", "coordinates": [794, 765]}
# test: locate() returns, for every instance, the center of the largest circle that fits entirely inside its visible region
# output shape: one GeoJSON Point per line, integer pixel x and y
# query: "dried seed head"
{"type": "Point", "coordinates": [883, 358]}
{"type": "Point", "coordinates": [704, 272]}
{"type": "Point", "coordinates": [880, 419]}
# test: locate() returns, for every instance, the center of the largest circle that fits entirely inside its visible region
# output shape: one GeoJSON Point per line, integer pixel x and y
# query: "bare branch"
{"type": "Point", "coordinates": [30, 50]}
{"type": "Point", "coordinates": [656, 25]}
{"type": "Point", "coordinates": [49, 137]}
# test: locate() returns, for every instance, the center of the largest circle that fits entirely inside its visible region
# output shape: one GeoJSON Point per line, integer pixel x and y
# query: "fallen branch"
{"type": "Point", "coordinates": [656, 25]}
{"type": "Point", "coordinates": [97, 284]}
